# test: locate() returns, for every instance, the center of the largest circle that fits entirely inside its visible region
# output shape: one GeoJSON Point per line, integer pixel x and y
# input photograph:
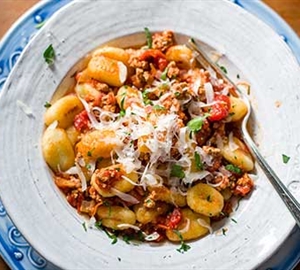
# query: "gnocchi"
{"type": "Point", "coordinates": [63, 111]}
{"type": "Point", "coordinates": [195, 228]}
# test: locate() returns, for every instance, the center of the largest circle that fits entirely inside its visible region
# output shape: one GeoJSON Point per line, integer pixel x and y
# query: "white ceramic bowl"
{"type": "Point", "coordinates": [41, 212]}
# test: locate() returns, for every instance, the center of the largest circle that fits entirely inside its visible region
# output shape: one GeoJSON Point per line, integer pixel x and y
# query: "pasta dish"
{"type": "Point", "coordinates": [147, 144]}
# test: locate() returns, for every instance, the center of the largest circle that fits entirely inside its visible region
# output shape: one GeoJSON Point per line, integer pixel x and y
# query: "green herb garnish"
{"type": "Point", "coordinates": [208, 198]}
{"type": "Point", "coordinates": [88, 166]}
{"type": "Point", "coordinates": [127, 238]}
{"type": "Point", "coordinates": [90, 153]}
{"type": "Point", "coordinates": [238, 76]}
{"type": "Point", "coordinates": [49, 55]}
{"type": "Point", "coordinates": [111, 236]}
{"type": "Point", "coordinates": [47, 104]}
{"type": "Point", "coordinates": [159, 108]}
{"type": "Point", "coordinates": [233, 168]}
{"type": "Point", "coordinates": [285, 158]}
{"type": "Point", "coordinates": [198, 161]}
{"type": "Point", "coordinates": [196, 123]}
{"type": "Point", "coordinates": [146, 100]}
{"type": "Point", "coordinates": [193, 40]}
{"type": "Point", "coordinates": [224, 231]}
{"type": "Point", "coordinates": [148, 37]}
{"type": "Point", "coordinates": [223, 69]}
{"type": "Point", "coordinates": [163, 76]}
{"type": "Point", "coordinates": [184, 247]}
{"type": "Point", "coordinates": [233, 220]}
{"type": "Point", "coordinates": [84, 226]}
{"type": "Point", "coordinates": [177, 171]}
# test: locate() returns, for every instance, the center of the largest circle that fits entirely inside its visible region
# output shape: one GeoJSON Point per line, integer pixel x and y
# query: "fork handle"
{"type": "Point", "coordinates": [287, 197]}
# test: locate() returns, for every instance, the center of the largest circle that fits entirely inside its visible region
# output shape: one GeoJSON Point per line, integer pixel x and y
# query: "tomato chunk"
{"type": "Point", "coordinates": [220, 109]}
{"type": "Point", "coordinates": [174, 218]}
{"type": "Point", "coordinates": [81, 121]}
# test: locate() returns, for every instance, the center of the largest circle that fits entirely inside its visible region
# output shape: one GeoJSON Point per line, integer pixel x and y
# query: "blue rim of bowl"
{"type": "Point", "coordinates": [18, 253]}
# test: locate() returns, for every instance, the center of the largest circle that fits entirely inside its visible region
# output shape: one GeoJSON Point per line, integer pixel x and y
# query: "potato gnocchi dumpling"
{"type": "Point", "coordinates": [147, 143]}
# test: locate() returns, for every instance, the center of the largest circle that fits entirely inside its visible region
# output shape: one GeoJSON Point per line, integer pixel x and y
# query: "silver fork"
{"type": "Point", "coordinates": [289, 200]}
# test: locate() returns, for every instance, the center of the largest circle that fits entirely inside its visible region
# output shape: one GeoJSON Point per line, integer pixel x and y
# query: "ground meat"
{"type": "Point", "coordinates": [141, 78]}
{"type": "Point", "coordinates": [162, 41]}
{"type": "Point", "coordinates": [108, 102]}
{"type": "Point", "coordinates": [134, 60]}
{"type": "Point", "coordinates": [243, 185]}
{"type": "Point", "coordinates": [105, 178]}
{"type": "Point", "coordinates": [178, 88]}
{"type": "Point", "coordinates": [75, 199]}
{"type": "Point", "coordinates": [204, 133]}
{"type": "Point", "coordinates": [172, 70]}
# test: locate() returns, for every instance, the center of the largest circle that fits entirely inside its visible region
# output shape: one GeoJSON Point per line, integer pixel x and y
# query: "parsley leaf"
{"type": "Point", "coordinates": [233, 168]}
{"type": "Point", "coordinates": [198, 161]}
{"type": "Point", "coordinates": [49, 55]}
{"type": "Point", "coordinates": [84, 226]}
{"type": "Point", "coordinates": [184, 247]}
{"type": "Point", "coordinates": [146, 100]}
{"type": "Point", "coordinates": [196, 123]}
{"type": "Point", "coordinates": [233, 220]}
{"type": "Point", "coordinates": [177, 171]}
{"type": "Point", "coordinates": [148, 37]}
{"type": "Point", "coordinates": [285, 158]}
{"type": "Point", "coordinates": [47, 104]}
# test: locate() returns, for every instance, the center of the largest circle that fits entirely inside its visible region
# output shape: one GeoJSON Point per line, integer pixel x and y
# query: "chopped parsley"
{"type": "Point", "coordinates": [233, 220]}
{"type": "Point", "coordinates": [208, 198]}
{"type": "Point", "coordinates": [127, 238]}
{"type": "Point", "coordinates": [148, 37]}
{"type": "Point", "coordinates": [193, 40]}
{"type": "Point", "coordinates": [223, 69]}
{"type": "Point", "coordinates": [47, 104]}
{"type": "Point", "coordinates": [111, 236]}
{"type": "Point", "coordinates": [198, 161]}
{"type": "Point", "coordinates": [159, 108]}
{"type": "Point", "coordinates": [119, 259]}
{"type": "Point", "coordinates": [122, 112]}
{"type": "Point", "coordinates": [90, 153]}
{"type": "Point", "coordinates": [233, 168]}
{"type": "Point", "coordinates": [88, 166]}
{"type": "Point", "coordinates": [224, 231]}
{"type": "Point", "coordinates": [84, 226]}
{"type": "Point", "coordinates": [49, 55]}
{"type": "Point", "coordinates": [177, 171]}
{"type": "Point", "coordinates": [285, 158]}
{"type": "Point", "coordinates": [146, 100]}
{"type": "Point", "coordinates": [238, 76]}
{"type": "Point", "coordinates": [184, 247]}
{"type": "Point", "coordinates": [163, 76]}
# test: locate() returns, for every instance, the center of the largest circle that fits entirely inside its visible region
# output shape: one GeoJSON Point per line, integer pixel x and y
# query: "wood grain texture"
{"type": "Point", "coordinates": [289, 10]}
